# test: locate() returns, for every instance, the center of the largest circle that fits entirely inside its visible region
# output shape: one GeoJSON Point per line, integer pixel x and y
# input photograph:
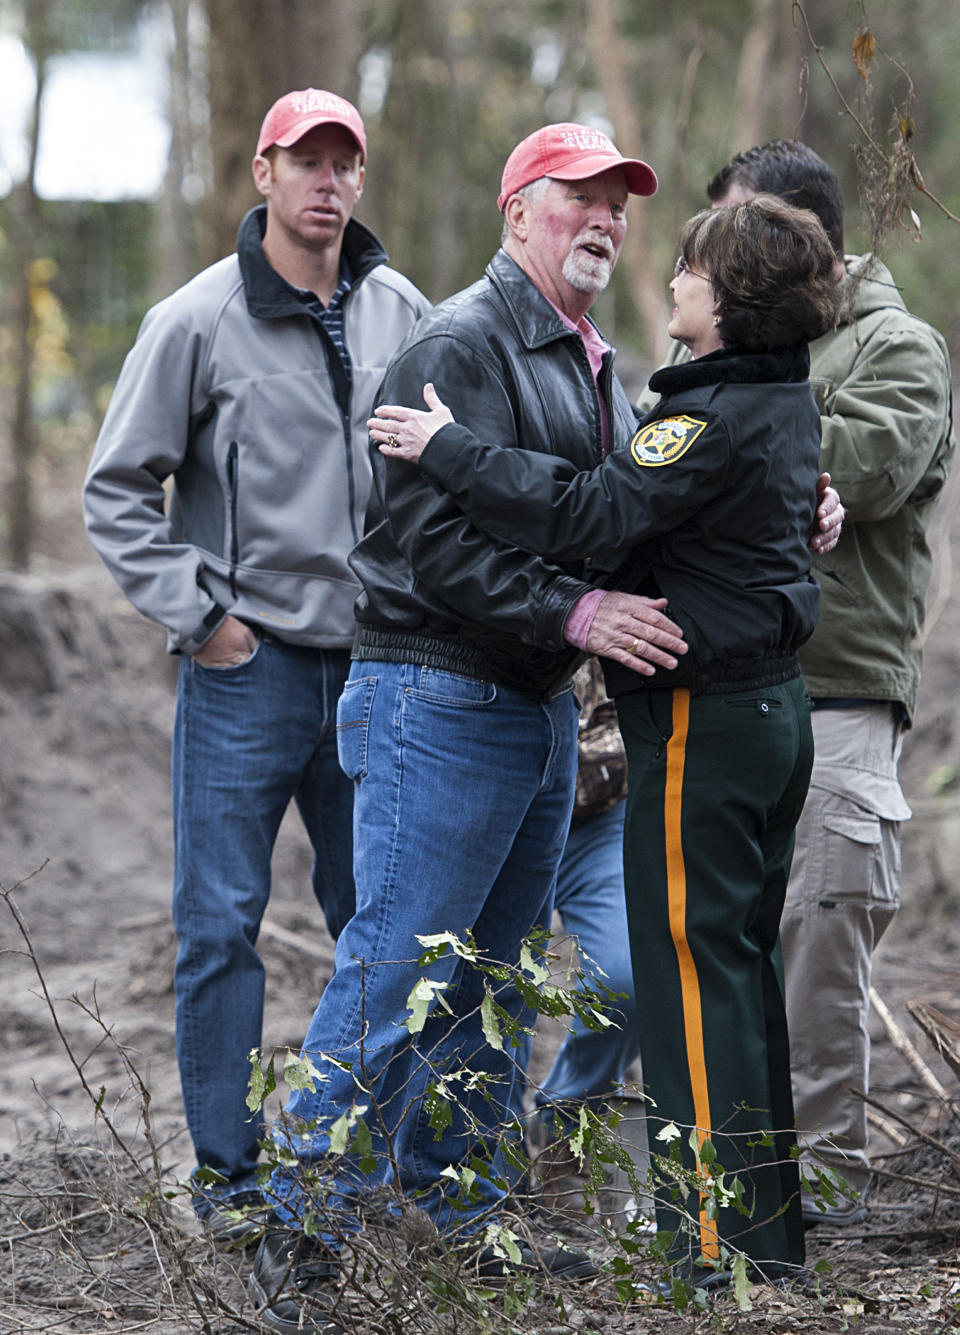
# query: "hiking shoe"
{"type": "Point", "coordinates": [704, 1278]}
{"type": "Point", "coordinates": [845, 1214]}
{"type": "Point", "coordinates": [558, 1262]}
{"type": "Point", "coordinates": [294, 1284]}
{"type": "Point", "coordinates": [710, 1281]}
{"type": "Point", "coordinates": [236, 1221]}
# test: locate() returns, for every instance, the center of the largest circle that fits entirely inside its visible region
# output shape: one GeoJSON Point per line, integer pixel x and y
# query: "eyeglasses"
{"type": "Point", "coordinates": [682, 266]}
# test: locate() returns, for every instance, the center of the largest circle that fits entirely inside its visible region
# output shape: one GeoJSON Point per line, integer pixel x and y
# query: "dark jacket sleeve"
{"type": "Point", "coordinates": [543, 503]}
{"type": "Point", "coordinates": [478, 576]}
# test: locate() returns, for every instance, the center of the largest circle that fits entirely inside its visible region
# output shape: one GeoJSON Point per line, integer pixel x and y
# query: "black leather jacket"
{"type": "Point", "coordinates": [712, 503]}
{"type": "Point", "coordinates": [436, 590]}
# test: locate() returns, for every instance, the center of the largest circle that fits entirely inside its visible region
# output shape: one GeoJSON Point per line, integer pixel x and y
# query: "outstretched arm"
{"type": "Point", "coordinates": [404, 433]}
{"type": "Point", "coordinates": [482, 577]}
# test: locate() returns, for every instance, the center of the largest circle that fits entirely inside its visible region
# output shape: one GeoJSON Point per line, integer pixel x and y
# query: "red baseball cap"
{"type": "Point", "coordinates": [570, 152]}
{"type": "Point", "coordinates": [292, 115]}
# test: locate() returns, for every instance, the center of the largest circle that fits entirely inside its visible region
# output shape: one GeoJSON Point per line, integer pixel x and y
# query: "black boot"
{"type": "Point", "coordinates": [294, 1284]}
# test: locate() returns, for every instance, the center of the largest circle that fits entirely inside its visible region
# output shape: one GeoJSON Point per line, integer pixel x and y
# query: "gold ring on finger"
{"type": "Point", "coordinates": [635, 646]}
{"type": "Point", "coordinates": [393, 442]}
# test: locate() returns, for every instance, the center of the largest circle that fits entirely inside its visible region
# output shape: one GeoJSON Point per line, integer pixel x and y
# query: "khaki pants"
{"type": "Point", "coordinates": [843, 892]}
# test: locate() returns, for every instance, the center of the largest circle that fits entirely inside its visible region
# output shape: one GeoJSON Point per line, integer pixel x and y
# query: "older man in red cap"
{"type": "Point", "coordinates": [458, 725]}
{"type": "Point", "coordinates": [250, 388]}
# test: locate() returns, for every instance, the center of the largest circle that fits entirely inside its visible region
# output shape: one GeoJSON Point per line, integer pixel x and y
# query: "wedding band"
{"type": "Point", "coordinates": [393, 442]}
{"type": "Point", "coordinates": [635, 646]}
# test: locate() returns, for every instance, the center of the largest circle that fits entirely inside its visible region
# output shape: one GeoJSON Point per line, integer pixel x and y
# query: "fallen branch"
{"type": "Point", "coordinates": [943, 1032]}
{"type": "Point", "coordinates": [903, 1045]}
{"type": "Point", "coordinates": [915, 1181]}
{"type": "Point", "coordinates": [887, 1127]}
{"type": "Point", "coordinates": [288, 938]}
{"type": "Point", "coordinates": [52, 1228]}
{"type": "Point", "coordinates": [945, 1150]}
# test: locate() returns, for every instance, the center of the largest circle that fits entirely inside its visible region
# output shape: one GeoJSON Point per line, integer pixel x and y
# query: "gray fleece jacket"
{"type": "Point", "coordinates": [232, 391]}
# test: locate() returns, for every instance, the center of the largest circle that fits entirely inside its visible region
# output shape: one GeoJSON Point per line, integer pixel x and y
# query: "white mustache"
{"type": "Point", "coordinates": [598, 242]}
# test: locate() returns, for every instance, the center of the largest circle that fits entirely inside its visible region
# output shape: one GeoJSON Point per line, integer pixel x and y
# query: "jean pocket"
{"type": "Point", "coordinates": [353, 719]}
{"type": "Point", "coordinates": [231, 669]}
{"type": "Point", "coordinates": [439, 687]}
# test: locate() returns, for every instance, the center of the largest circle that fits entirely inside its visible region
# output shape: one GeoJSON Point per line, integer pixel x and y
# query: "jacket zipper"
{"type": "Point", "coordinates": [233, 482]}
{"type": "Point", "coordinates": [343, 396]}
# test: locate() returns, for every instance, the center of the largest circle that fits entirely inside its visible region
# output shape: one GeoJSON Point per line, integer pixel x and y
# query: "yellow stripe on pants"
{"type": "Point", "coordinates": [677, 904]}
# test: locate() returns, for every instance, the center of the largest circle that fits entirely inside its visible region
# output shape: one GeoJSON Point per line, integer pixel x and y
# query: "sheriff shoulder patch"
{"type": "Point", "coordinates": [665, 441]}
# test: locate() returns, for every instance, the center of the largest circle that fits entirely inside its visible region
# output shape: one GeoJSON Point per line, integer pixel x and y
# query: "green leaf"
{"type": "Point", "coordinates": [363, 1147]}
{"type": "Point", "coordinates": [438, 944]}
{"type": "Point", "coordinates": [340, 1135]}
{"type": "Point", "coordinates": [741, 1283]}
{"type": "Point", "coordinates": [529, 965]}
{"type": "Point", "coordinates": [488, 1018]}
{"type": "Point", "coordinates": [439, 1112]}
{"type": "Point", "coordinates": [209, 1177]}
{"type": "Point", "coordinates": [262, 1082]}
{"type": "Point", "coordinates": [418, 1003]}
{"type": "Point", "coordinates": [300, 1072]}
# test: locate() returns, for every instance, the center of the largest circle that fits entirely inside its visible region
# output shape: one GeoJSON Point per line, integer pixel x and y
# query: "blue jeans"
{"type": "Point", "coordinates": [463, 797]}
{"type": "Point", "coordinates": [591, 1064]}
{"type": "Point", "coordinates": [247, 741]}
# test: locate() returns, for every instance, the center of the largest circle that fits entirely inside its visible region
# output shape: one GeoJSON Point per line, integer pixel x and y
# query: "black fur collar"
{"type": "Point", "coordinates": [790, 365]}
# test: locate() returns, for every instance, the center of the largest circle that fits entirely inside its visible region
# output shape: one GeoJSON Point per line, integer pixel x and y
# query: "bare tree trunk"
{"type": "Point", "coordinates": [754, 76]}
{"type": "Point", "coordinates": [606, 45]}
{"type": "Point", "coordinates": [175, 218]}
{"type": "Point", "coordinates": [243, 81]}
{"type": "Point", "coordinates": [24, 232]}
{"type": "Point", "coordinates": [257, 51]}
{"type": "Point", "coordinates": [417, 176]}
{"type": "Point", "coordinates": [320, 46]}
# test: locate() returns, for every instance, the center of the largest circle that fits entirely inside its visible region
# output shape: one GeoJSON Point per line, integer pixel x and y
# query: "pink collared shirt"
{"type": "Point", "coordinates": [579, 621]}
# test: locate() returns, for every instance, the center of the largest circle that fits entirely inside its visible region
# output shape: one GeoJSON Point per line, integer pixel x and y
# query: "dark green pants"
{"type": "Point", "coordinates": [717, 783]}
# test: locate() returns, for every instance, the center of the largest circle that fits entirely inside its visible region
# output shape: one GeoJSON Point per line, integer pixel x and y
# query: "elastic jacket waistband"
{"type": "Point", "coordinates": [453, 653]}
{"type": "Point", "coordinates": [748, 674]}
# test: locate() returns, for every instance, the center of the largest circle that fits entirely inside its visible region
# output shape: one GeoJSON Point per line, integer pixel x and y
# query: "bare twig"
{"type": "Point", "coordinates": [902, 150]}
{"type": "Point", "coordinates": [903, 1045]}
{"type": "Point", "coordinates": [301, 943]}
{"type": "Point", "coordinates": [945, 1150]}
{"type": "Point", "coordinates": [943, 1032]}
{"type": "Point", "coordinates": [52, 1228]}
{"type": "Point", "coordinates": [887, 1127]}
{"type": "Point", "coordinates": [912, 1181]}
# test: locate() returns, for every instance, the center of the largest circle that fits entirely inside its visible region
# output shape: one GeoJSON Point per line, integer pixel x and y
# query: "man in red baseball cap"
{"type": "Point", "coordinates": [461, 688]}
{"type": "Point", "coordinates": [292, 115]}
{"type": "Point", "coordinates": [570, 152]}
{"type": "Point", "coordinates": [250, 387]}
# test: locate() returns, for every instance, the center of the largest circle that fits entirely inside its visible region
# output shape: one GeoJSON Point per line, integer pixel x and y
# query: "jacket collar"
{"type": "Point", "coordinates": [270, 296]}
{"type": "Point", "coordinates": [785, 365]}
{"type": "Point", "coordinates": [537, 321]}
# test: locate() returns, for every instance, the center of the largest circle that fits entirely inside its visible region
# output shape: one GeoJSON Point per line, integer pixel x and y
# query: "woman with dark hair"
{"type": "Point", "coordinates": [709, 506]}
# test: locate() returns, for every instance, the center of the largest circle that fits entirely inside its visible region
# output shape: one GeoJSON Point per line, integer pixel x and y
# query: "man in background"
{"type": "Point", "coordinates": [250, 388]}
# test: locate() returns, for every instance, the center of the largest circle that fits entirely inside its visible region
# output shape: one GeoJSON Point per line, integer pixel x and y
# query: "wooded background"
{"type": "Point", "coordinates": [446, 88]}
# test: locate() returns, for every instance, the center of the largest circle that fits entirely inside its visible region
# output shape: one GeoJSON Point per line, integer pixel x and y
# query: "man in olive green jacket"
{"type": "Point", "coordinates": [883, 385]}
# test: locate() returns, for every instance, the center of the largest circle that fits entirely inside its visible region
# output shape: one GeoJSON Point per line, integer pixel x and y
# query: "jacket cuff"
{"type": "Point", "coordinates": [204, 631]}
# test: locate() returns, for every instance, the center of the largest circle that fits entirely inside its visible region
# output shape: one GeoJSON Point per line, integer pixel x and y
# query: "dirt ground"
{"type": "Point", "coordinates": [86, 704]}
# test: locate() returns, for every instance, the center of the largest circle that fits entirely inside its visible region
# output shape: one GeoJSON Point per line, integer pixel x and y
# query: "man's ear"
{"type": "Point", "coordinates": [262, 174]}
{"type": "Point", "coordinates": [516, 216]}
